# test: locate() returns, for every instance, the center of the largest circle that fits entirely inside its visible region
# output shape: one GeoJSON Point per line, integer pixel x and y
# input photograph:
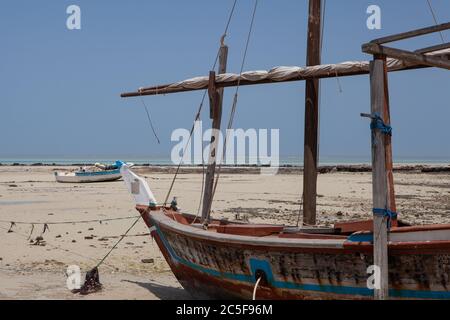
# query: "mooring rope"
{"type": "Point", "coordinates": [118, 241]}
{"type": "Point", "coordinates": [256, 287]}
{"type": "Point", "coordinates": [66, 222]}
{"type": "Point", "coordinates": [60, 248]}
{"type": "Point", "coordinates": [113, 268]}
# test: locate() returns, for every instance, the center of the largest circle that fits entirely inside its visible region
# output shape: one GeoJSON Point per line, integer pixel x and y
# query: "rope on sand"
{"type": "Point", "coordinates": [13, 223]}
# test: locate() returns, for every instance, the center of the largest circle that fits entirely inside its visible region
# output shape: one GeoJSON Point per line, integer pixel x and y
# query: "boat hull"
{"type": "Point", "coordinates": [212, 265]}
{"type": "Point", "coordinates": [101, 176]}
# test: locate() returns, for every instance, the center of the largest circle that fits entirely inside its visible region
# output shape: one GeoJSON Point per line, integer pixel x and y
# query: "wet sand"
{"type": "Point", "coordinates": [30, 194]}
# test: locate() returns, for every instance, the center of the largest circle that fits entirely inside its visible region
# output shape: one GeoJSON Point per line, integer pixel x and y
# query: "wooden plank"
{"type": "Point", "coordinates": [311, 116]}
{"type": "Point", "coordinates": [354, 226]}
{"type": "Point", "coordinates": [215, 100]}
{"type": "Point", "coordinates": [374, 48]}
{"type": "Point", "coordinates": [434, 48]}
{"type": "Point", "coordinates": [253, 230]}
{"type": "Point", "coordinates": [223, 59]}
{"type": "Point", "coordinates": [379, 178]}
{"type": "Point", "coordinates": [412, 33]}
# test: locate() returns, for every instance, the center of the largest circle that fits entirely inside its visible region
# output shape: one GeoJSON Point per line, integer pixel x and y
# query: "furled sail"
{"type": "Point", "coordinates": [282, 74]}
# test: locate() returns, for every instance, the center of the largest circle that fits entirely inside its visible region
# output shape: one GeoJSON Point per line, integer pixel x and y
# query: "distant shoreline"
{"type": "Point", "coordinates": [283, 169]}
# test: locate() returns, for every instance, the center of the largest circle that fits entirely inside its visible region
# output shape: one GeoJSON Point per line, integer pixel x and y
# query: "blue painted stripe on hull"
{"type": "Point", "coordinates": [360, 238]}
{"type": "Point", "coordinates": [96, 173]}
{"type": "Point", "coordinates": [344, 290]}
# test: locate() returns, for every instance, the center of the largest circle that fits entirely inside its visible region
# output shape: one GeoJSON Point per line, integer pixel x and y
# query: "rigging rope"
{"type": "Point", "coordinates": [321, 42]}
{"type": "Point", "coordinates": [197, 117]}
{"type": "Point", "coordinates": [435, 19]}
{"type": "Point", "coordinates": [148, 117]}
{"type": "Point", "coordinates": [233, 108]}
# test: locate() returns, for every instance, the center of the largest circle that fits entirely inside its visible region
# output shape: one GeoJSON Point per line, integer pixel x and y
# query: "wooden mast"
{"type": "Point", "coordinates": [311, 115]}
{"type": "Point", "coordinates": [215, 103]}
{"type": "Point", "coordinates": [380, 192]}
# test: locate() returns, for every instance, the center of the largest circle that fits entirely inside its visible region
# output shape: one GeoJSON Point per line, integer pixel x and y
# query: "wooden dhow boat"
{"type": "Point", "coordinates": [226, 260]}
{"type": "Point", "coordinates": [379, 258]}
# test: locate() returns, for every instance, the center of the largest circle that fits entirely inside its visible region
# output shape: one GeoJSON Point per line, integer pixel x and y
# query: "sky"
{"type": "Point", "coordinates": [60, 88]}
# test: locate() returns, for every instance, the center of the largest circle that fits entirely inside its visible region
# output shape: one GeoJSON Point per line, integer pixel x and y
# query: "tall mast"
{"type": "Point", "coordinates": [215, 103]}
{"type": "Point", "coordinates": [380, 188]}
{"type": "Point", "coordinates": [311, 115]}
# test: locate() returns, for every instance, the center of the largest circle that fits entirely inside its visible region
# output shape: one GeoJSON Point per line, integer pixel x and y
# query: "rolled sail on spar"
{"type": "Point", "coordinates": [97, 173]}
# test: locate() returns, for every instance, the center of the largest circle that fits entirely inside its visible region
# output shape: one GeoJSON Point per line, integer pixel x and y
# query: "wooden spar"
{"type": "Point", "coordinates": [215, 102]}
{"type": "Point", "coordinates": [412, 33]}
{"type": "Point", "coordinates": [388, 147]}
{"type": "Point", "coordinates": [165, 88]}
{"type": "Point", "coordinates": [379, 177]}
{"type": "Point", "coordinates": [311, 116]}
{"type": "Point", "coordinates": [374, 48]}
{"type": "Point", "coordinates": [419, 60]}
{"type": "Point", "coordinates": [437, 47]}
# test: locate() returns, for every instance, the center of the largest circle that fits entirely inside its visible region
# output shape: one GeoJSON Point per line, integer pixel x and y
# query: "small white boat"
{"type": "Point", "coordinates": [97, 173]}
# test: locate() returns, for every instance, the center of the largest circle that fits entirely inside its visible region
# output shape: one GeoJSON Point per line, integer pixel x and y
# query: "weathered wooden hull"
{"type": "Point", "coordinates": [223, 266]}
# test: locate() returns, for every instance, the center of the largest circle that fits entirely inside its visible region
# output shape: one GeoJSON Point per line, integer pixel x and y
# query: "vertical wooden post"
{"type": "Point", "coordinates": [388, 148]}
{"type": "Point", "coordinates": [311, 116]}
{"type": "Point", "coordinates": [215, 102]}
{"type": "Point", "coordinates": [379, 177]}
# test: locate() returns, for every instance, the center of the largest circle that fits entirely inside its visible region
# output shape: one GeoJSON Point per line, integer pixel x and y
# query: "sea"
{"type": "Point", "coordinates": [288, 160]}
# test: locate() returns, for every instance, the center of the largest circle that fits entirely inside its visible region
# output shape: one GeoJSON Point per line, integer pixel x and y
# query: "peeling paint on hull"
{"type": "Point", "coordinates": [212, 269]}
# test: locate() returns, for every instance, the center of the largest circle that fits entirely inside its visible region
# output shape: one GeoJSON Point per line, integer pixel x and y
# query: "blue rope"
{"type": "Point", "coordinates": [385, 213]}
{"type": "Point", "coordinates": [378, 123]}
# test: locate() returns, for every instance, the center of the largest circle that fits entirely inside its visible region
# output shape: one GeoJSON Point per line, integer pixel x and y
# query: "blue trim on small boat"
{"type": "Point", "coordinates": [263, 265]}
{"type": "Point", "coordinates": [97, 173]}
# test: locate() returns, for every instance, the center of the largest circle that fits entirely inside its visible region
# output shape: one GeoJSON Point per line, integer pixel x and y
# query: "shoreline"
{"type": "Point", "coordinates": [254, 169]}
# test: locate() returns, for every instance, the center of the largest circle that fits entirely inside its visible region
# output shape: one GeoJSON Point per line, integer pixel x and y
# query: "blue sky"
{"type": "Point", "coordinates": [60, 87]}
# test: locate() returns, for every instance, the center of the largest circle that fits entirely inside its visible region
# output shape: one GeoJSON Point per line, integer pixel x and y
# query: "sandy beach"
{"type": "Point", "coordinates": [37, 271]}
